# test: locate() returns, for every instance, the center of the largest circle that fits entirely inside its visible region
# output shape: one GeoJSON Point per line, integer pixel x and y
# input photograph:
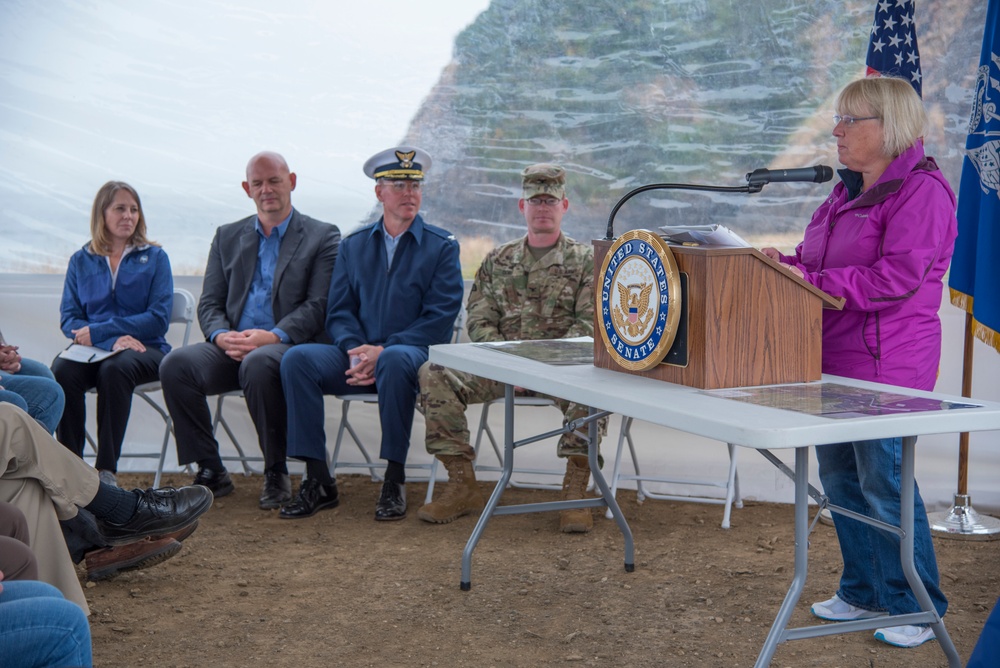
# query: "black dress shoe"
{"type": "Point", "coordinates": [277, 490]}
{"type": "Point", "coordinates": [218, 481]}
{"type": "Point", "coordinates": [159, 512]}
{"type": "Point", "coordinates": [391, 502]}
{"type": "Point", "coordinates": [312, 498]}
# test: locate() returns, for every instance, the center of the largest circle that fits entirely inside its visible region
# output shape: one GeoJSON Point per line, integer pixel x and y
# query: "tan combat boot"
{"type": "Point", "coordinates": [577, 520]}
{"type": "Point", "coordinates": [461, 494]}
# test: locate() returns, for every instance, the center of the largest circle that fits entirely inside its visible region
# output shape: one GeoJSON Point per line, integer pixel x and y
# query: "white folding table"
{"type": "Point", "coordinates": [731, 421]}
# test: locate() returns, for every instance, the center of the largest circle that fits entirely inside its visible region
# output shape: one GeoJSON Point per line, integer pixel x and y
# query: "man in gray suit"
{"type": "Point", "coordinates": [265, 290]}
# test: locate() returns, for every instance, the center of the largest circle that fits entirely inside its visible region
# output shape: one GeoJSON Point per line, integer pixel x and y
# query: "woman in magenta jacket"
{"type": "Point", "coordinates": [883, 241]}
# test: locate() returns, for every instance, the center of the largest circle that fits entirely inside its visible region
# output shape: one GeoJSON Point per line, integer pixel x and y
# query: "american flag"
{"type": "Point", "coordinates": [892, 50]}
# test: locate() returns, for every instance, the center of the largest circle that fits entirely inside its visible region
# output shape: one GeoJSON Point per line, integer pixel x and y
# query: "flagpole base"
{"type": "Point", "coordinates": [962, 522]}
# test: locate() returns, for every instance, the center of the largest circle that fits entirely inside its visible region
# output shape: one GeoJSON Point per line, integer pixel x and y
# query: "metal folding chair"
{"type": "Point", "coordinates": [219, 419]}
{"type": "Point", "coordinates": [485, 429]}
{"type": "Point", "coordinates": [731, 484]}
{"type": "Point", "coordinates": [181, 312]}
{"type": "Point", "coordinates": [373, 466]}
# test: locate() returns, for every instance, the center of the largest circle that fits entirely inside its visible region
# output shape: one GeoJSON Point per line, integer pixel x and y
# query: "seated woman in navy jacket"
{"type": "Point", "coordinates": [117, 297]}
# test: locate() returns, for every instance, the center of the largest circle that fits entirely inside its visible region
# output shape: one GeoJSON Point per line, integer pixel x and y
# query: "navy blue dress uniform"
{"type": "Point", "coordinates": [404, 301]}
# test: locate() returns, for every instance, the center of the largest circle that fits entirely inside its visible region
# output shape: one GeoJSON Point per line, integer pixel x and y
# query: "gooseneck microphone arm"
{"type": "Point", "coordinates": [749, 188]}
{"type": "Point", "coordinates": [756, 180]}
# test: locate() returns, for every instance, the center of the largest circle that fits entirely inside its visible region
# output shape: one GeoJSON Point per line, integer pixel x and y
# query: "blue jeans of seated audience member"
{"type": "Point", "coordinates": [310, 370]}
{"type": "Point", "coordinates": [865, 477]}
{"type": "Point", "coordinates": [14, 398]}
{"type": "Point", "coordinates": [39, 389]}
{"type": "Point", "coordinates": [38, 627]}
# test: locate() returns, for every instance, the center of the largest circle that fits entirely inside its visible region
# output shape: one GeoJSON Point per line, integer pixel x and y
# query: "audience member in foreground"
{"type": "Point", "coordinates": [42, 398]}
{"type": "Point", "coordinates": [48, 483]}
{"type": "Point", "coordinates": [39, 628]}
{"type": "Point", "coordinates": [17, 561]}
{"type": "Point", "coordinates": [38, 393]}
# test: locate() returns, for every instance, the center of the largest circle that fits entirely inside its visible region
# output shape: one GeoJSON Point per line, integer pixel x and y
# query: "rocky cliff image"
{"type": "Point", "coordinates": [636, 92]}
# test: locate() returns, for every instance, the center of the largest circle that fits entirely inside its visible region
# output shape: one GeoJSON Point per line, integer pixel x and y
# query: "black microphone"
{"type": "Point", "coordinates": [817, 174]}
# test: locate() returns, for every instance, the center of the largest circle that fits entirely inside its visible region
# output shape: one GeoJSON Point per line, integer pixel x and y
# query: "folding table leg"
{"type": "Point", "coordinates": [777, 631]}
{"type": "Point", "coordinates": [609, 496]}
{"type": "Point", "coordinates": [780, 633]}
{"type": "Point", "coordinates": [494, 500]}
{"type": "Point", "coordinates": [906, 490]}
{"type": "Point", "coordinates": [732, 487]}
{"type": "Point", "coordinates": [607, 499]}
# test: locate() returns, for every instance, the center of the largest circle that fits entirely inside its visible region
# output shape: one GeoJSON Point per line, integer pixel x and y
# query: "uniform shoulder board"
{"type": "Point", "coordinates": [440, 232]}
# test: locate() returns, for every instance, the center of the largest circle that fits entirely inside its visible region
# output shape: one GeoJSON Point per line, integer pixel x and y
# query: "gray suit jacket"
{"type": "Point", "coordinates": [301, 278]}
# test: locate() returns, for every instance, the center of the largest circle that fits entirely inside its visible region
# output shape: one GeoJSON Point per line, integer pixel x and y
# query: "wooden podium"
{"type": "Point", "coordinates": [745, 321]}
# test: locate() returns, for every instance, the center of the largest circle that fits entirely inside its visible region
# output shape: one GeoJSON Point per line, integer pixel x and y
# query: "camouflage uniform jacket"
{"type": "Point", "coordinates": [516, 298]}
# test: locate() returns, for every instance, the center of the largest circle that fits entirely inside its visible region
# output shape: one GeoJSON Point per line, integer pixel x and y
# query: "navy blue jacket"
{"type": "Point", "coordinates": [139, 305]}
{"type": "Point", "coordinates": [414, 302]}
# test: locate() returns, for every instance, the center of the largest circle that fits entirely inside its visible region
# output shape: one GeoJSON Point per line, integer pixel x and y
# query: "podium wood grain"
{"type": "Point", "coordinates": [750, 322]}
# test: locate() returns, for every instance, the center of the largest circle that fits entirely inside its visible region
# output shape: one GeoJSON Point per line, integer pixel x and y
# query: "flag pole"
{"type": "Point", "coordinates": [973, 278]}
{"type": "Point", "coordinates": [962, 522]}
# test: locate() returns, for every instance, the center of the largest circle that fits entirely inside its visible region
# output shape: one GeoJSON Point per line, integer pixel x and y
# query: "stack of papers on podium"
{"type": "Point", "coordinates": [718, 236]}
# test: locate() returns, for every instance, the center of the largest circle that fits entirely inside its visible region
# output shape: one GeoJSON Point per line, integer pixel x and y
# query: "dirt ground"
{"type": "Point", "coordinates": [340, 589]}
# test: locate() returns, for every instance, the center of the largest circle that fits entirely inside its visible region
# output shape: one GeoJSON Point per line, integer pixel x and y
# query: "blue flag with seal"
{"type": "Point", "coordinates": [892, 49]}
{"type": "Point", "coordinates": [974, 280]}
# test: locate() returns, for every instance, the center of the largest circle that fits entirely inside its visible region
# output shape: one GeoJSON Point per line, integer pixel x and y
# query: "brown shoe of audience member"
{"type": "Point", "coordinates": [574, 488]}
{"type": "Point", "coordinates": [461, 494]}
{"type": "Point", "coordinates": [108, 562]}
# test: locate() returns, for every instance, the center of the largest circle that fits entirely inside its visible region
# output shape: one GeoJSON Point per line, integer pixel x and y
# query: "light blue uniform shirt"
{"type": "Point", "coordinates": [258, 312]}
{"type": "Point", "coordinates": [391, 243]}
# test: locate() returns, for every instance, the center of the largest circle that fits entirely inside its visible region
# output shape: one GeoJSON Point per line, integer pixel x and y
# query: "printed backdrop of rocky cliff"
{"type": "Point", "coordinates": [170, 97]}
{"type": "Point", "coordinates": [626, 93]}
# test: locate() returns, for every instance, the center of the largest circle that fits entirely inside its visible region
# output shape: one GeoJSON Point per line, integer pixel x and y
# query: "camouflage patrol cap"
{"type": "Point", "coordinates": [543, 179]}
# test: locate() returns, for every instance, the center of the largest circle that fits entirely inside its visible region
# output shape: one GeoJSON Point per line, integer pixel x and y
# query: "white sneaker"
{"type": "Point", "coordinates": [108, 478]}
{"type": "Point", "coordinates": [905, 636]}
{"type": "Point", "coordinates": [837, 610]}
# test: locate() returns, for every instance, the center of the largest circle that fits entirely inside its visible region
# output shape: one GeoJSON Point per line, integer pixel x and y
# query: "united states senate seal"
{"type": "Point", "coordinates": [639, 300]}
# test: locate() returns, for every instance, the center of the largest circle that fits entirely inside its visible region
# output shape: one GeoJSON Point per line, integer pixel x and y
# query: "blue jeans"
{"type": "Point", "coordinates": [864, 476]}
{"type": "Point", "coordinates": [39, 389]}
{"type": "Point", "coordinates": [38, 627]}
{"type": "Point", "coordinates": [14, 398]}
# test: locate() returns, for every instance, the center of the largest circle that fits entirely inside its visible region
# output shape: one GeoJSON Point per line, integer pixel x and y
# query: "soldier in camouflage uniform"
{"type": "Point", "coordinates": [537, 287]}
